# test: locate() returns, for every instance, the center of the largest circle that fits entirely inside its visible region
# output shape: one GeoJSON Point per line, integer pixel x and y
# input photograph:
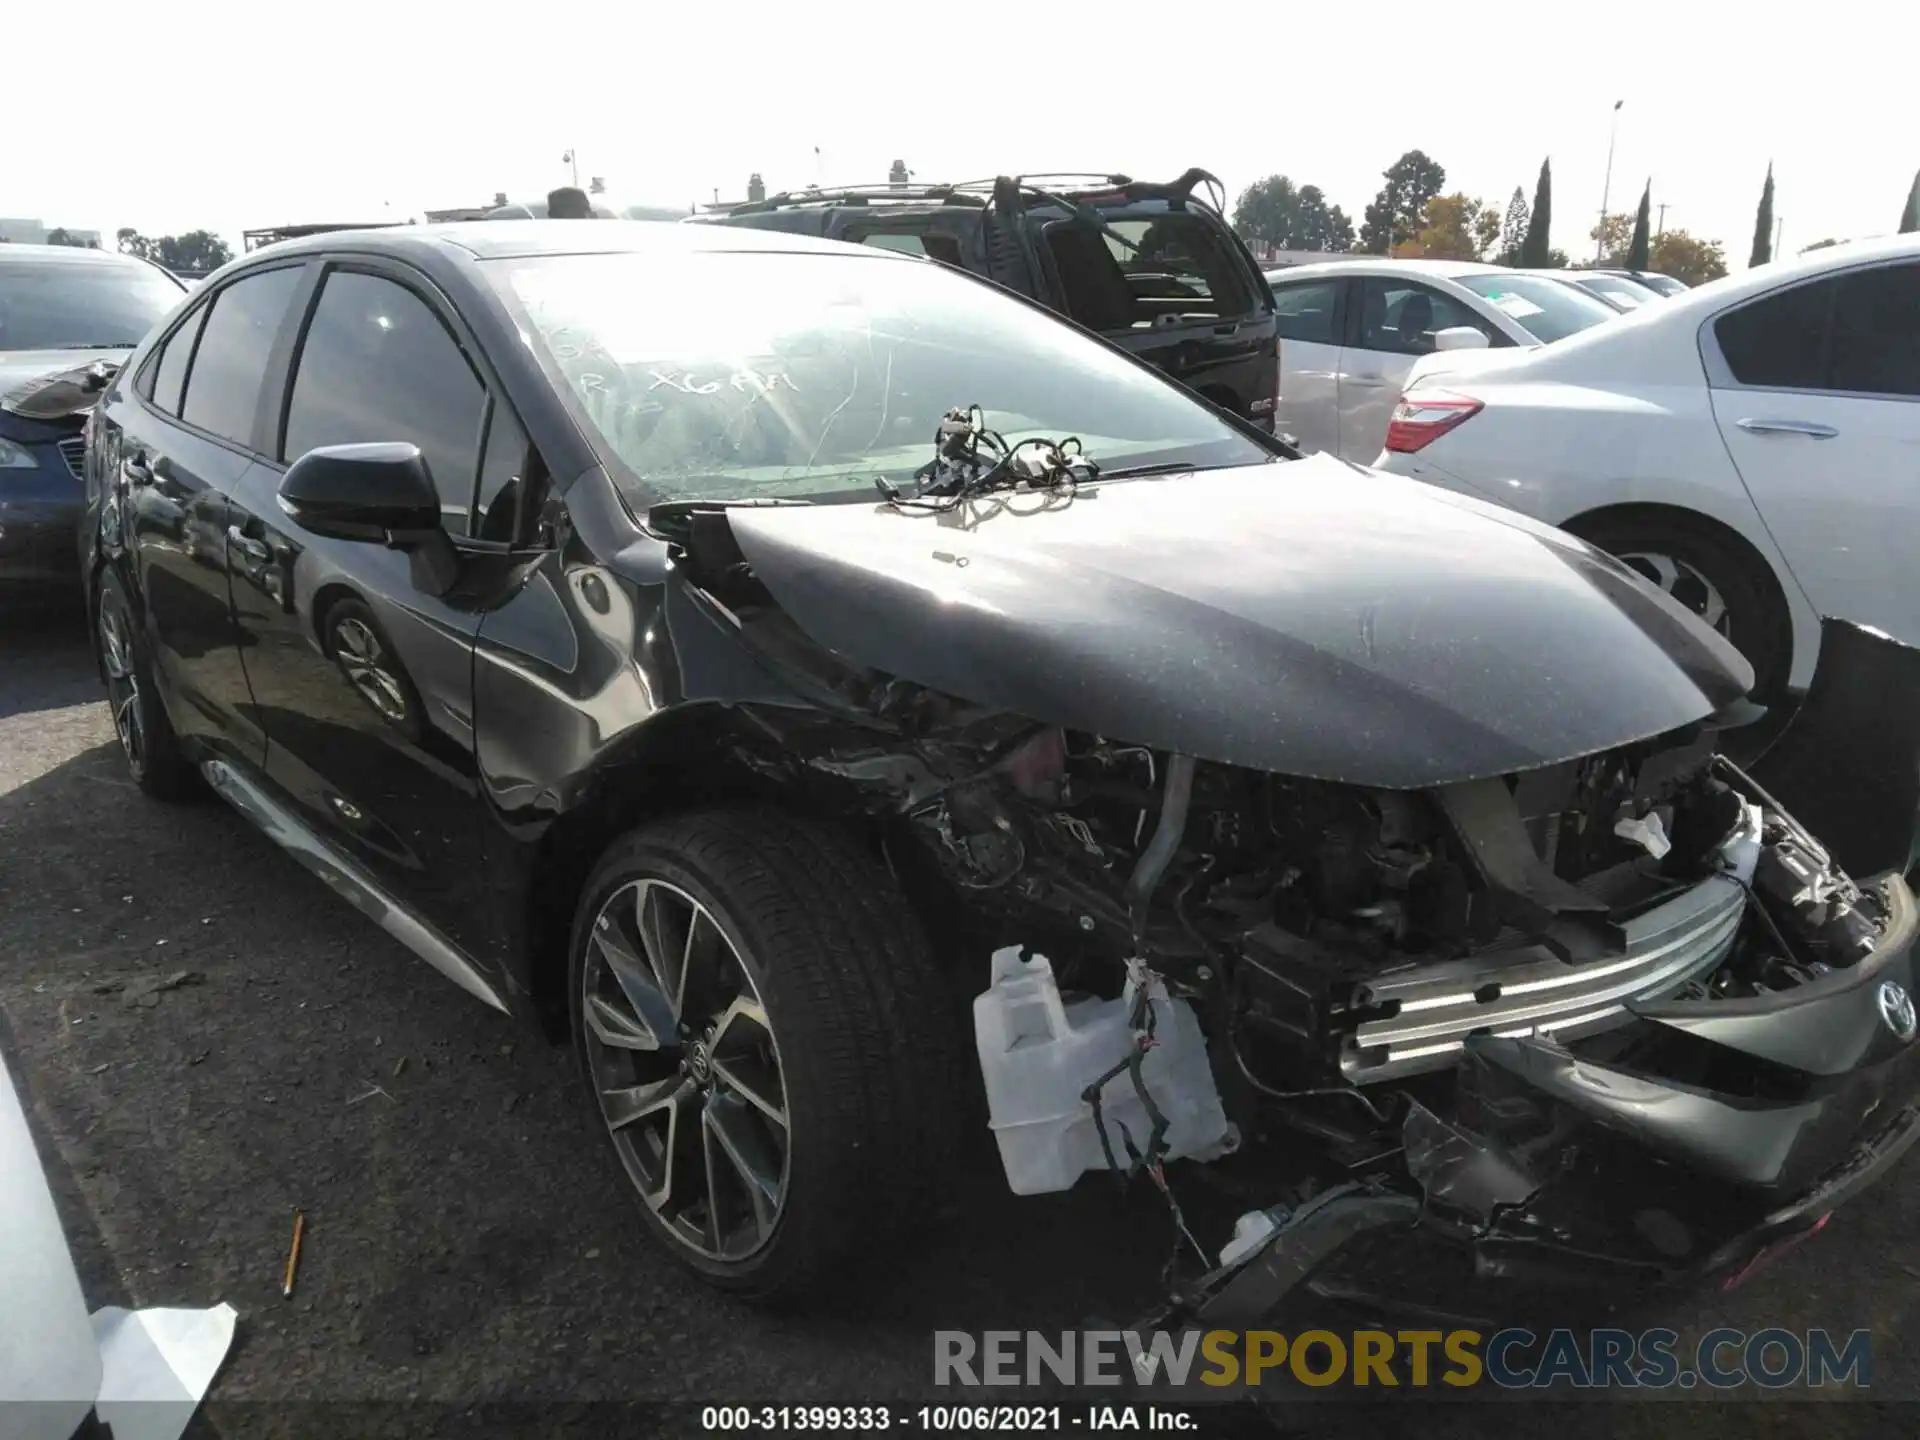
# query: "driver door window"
{"type": "Point", "coordinates": [378, 364]}
{"type": "Point", "coordinates": [1401, 317]}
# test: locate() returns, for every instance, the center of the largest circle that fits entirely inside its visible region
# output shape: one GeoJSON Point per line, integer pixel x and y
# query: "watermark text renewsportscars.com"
{"type": "Point", "coordinates": [1512, 1359]}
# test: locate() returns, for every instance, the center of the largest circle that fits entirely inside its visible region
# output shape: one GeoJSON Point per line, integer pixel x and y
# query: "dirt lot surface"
{"type": "Point", "coordinates": [206, 1039]}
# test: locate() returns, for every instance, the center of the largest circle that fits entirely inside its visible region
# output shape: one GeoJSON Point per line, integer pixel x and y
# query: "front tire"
{"type": "Point", "coordinates": [1715, 576]}
{"type": "Point", "coordinates": [147, 741]}
{"type": "Point", "coordinates": [763, 1031]}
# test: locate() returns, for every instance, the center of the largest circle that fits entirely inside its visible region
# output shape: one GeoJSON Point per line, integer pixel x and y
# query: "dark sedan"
{"type": "Point", "coordinates": [62, 309]}
{"type": "Point", "coordinates": [734, 651]}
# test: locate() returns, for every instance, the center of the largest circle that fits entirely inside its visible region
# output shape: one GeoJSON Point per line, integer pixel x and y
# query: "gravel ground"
{"type": "Point", "coordinates": [207, 1039]}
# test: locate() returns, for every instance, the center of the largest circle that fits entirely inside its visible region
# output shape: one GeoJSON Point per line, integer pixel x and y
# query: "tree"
{"type": "Point", "coordinates": [60, 235]}
{"type": "Point", "coordinates": [1453, 228]}
{"type": "Point", "coordinates": [1614, 238]}
{"type": "Point", "coordinates": [1691, 261]}
{"type": "Point", "coordinates": [1642, 243]}
{"type": "Point", "coordinates": [1322, 226]}
{"type": "Point", "coordinates": [1395, 216]}
{"type": "Point", "coordinates": [1275, 214]}
{"type": "Point", "coordinates": [197, 251]}
{"type": "Point", "coordinates": [1910, 213]}
{"type": "Point", "coordinates": [1763, 224]}
{"type": "Point", "coordinates": [1268, 212]}
{"type": "Point", "coordinates": [1513, 229]}
{"type": "Point", "coordinates": [1535, 245]}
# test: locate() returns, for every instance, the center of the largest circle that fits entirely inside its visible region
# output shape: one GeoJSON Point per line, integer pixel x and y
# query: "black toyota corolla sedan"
{"type": "Point", "coordinates": [735, 653]}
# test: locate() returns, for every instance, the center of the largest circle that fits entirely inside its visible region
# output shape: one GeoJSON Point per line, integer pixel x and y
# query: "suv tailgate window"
{"type": "Point", "coordinates": [1169, 269]}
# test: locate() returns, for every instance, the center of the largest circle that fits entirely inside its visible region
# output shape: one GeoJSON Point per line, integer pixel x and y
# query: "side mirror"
{"type": "Point", "coordinates": [1459, 337]}
{"type": "Point", "coordinates": [381, 494]}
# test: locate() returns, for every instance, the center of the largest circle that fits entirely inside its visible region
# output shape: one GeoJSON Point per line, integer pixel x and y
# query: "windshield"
{"type": "Point", "coordinates": [80, 304]}
{"type": "Point", "coordinates": [1615, 287]}
{"type": "Point", "coordinates": [1663, 284]}
{"type": "Point", "coordinates": [1549, 310]}
{"type": "Point", "coordinates": [735, 375]}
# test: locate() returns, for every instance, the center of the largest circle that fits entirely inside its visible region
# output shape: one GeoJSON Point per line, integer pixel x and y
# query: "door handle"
{"type": "Point", "coordinates": [1369, 381]}
{"type": "Point", "coordinates": [253, 549]}
{"type": "Point", "coordinates": [1808, 428]}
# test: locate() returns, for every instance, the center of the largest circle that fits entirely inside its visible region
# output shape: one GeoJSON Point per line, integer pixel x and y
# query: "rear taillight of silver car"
{"type": "Point", "coordinates": [1424, 416]}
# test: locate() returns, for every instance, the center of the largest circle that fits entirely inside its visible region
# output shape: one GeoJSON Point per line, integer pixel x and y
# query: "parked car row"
{"type": "Point", "coordinates": [1351, 331]}
{"type": "Point", "coordinates": [735, 647]}
{"type": "Point", "coordinates": [1750, 446]}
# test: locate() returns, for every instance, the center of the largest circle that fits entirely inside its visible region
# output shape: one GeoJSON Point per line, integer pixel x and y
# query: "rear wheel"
{"type": "Point", "coordinates": [763, 1030]}
{"type": "Point", "coordinates": [1715, 576]}
{"type": "Point", "coordinates": [140, 721]}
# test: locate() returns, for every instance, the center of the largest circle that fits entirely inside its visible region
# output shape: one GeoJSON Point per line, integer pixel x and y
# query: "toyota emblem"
{"type": "Point", "coordinates": [1896, 1008]}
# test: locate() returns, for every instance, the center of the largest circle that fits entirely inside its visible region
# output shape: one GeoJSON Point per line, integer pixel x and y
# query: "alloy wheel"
{"type": "Point", "coordinates": [685, 1067]}
{"type": "Point", "coordinates": [1683, 583]}
{"type": "Point", "coordinates": [123, 678]}
{"type": "Point", "coordinates": [364, 658]}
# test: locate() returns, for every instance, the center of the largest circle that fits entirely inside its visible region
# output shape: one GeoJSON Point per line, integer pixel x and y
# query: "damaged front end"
{"type": "Point", "coordinates": [1618, 1017]}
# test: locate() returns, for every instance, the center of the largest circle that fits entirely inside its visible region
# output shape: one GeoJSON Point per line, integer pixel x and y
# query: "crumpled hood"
{"type": "Point", "coordinates": [26, 376]}
{"type": "Point", "coordinates": [1307, 618]}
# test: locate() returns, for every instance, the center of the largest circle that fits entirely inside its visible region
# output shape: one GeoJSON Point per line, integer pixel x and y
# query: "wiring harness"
{"type": "Point", "coordinates": [970, 460]}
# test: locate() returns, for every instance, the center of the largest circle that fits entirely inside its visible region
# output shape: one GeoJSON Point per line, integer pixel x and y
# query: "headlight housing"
{"type": "Point", "coordinates": [15, 456]}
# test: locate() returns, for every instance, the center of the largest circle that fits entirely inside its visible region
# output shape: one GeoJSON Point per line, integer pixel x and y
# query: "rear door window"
{"type": "Point", "coordinates": [1307, 310]}
{"type": "Point", "coordinates": [1876, 332]}
{"type": "Point", "coordinates": [229, 364]}
{"type": "Point", "coordinates": [170, 372]}
{"type": "Point", "coordinates": [1856, 333]}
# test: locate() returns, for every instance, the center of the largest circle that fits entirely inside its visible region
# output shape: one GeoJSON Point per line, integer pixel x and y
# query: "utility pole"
{"type": "Point", "coordinates": [1779, 224]}
{"type": "Point", "coordinates": [1606, 189]}
{"type": "Point", "coordinates": [1661, 227]}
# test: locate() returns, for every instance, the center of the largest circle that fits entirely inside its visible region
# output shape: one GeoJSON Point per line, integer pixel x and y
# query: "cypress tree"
{"type": "Point", "coordinates": [1533, 249]}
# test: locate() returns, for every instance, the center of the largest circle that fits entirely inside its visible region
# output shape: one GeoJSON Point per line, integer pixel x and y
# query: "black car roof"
{"type": "Point", "coordinates": [503, 239]}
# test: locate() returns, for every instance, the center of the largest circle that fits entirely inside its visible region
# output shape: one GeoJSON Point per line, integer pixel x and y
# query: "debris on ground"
{"type": "Point", "coordinates": [145, 991]}
{"type": "Point", "coordinates": [293, 1253]}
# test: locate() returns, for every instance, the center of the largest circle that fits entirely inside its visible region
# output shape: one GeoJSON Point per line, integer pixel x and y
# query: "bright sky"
{"type": "Point", "coordinates": [229, 117]}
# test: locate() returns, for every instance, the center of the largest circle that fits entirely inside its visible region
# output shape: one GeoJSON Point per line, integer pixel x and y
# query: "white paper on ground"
{"type": "Point", "coordinates": [49, 1368]}
{"type": "Point", "coordinates": [156, 1365]}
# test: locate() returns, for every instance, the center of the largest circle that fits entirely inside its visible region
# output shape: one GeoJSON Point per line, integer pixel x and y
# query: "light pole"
{"type": "Point", "coordinates": [1778, 225]}
{"type": "Point", "coordinates": [1606, 188]}
{"type": "Point", "coordinates": [1662, 227]}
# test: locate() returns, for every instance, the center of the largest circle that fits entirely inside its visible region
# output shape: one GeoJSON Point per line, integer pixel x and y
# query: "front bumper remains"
{"type": "Point", "coordinates": [1689, 1145]}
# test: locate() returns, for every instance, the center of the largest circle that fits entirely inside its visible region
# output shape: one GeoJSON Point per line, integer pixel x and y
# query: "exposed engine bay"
{"type": "Point", "coordinates": [1614, 1016]}
{"type": "Point", "coordinates": [1352, 955]}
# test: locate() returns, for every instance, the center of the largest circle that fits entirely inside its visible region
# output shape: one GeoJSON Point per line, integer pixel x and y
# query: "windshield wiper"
{"type": "Point", "coordinates": [1159, 467]}
{"type": "Point", "coordinates": [673, 519]}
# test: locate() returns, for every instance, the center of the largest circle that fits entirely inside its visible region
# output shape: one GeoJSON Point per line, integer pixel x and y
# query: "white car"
{"type": "Point", "coordinates": [1351, 330]}
{"type": "Point", "coordinates": [1753, 445]}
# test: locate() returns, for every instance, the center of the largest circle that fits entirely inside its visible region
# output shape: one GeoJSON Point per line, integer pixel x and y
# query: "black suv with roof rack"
{"type": "Point", "coordinates": [1150, 267]}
